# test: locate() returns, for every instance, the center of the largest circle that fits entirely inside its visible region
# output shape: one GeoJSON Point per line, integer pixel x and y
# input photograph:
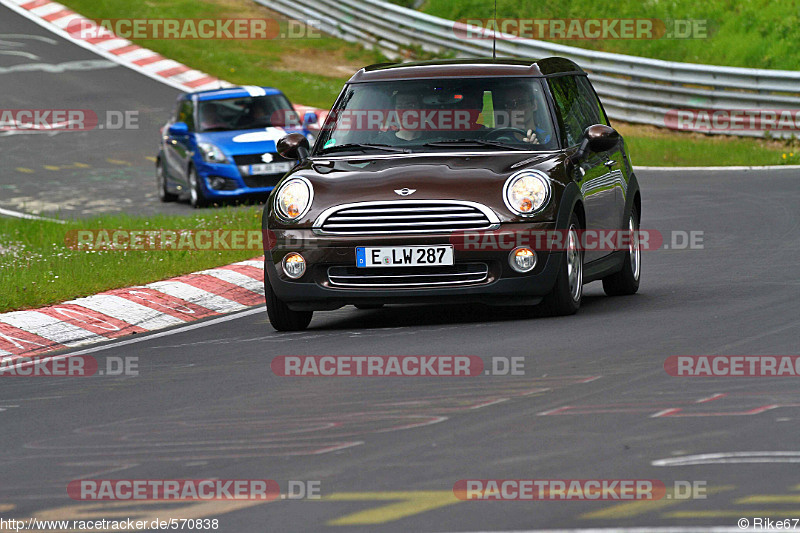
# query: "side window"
{"type": "Point", "coordinates": [186, 114]}
{"type": "Point", "coordinates": [577, 112]}
{"type": "Point", "coordinates": [590, 97]}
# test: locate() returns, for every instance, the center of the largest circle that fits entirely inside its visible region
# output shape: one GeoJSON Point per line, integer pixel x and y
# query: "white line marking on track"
{"type": "Point", "coordinates": [18, 214]}
{"type": "Point", "coordinates": [730, 458]}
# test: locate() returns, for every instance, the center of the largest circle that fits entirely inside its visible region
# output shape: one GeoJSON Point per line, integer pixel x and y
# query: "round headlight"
{"type": "Point", "coordinates": [294, 198]}
{"type": "Point", "coordinates": [526, 192]}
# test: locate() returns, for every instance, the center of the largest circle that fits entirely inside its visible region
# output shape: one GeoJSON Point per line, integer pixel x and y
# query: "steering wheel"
{"type": "Point", "coordinates": [499, 133]}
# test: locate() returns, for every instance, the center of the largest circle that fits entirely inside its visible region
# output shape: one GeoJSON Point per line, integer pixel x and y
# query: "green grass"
{"type": "Point", "coordinates": [743, 33]}
{"type": "Point", "coordinates": [282, 63]}
{"type": "Point", "coordinates": [650, 146]}
{"type": "Point", "coordinates": [37, 267]}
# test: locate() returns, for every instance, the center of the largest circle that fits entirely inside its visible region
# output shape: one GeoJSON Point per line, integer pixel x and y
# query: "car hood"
{"type": "Point", "coordinates": [477, 177]}
{"type": "Point", "coordinates": [241, 142]}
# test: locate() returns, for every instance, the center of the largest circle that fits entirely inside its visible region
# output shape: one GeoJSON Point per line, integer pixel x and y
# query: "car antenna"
{"type": "Point", "coordinates": [494, 33]}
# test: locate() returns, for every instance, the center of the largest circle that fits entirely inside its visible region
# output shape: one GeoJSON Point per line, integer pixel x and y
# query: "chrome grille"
{"type": "Point", "coordinates": [420, 216]}
{"type": "Point", "coordinates": [408, 277]}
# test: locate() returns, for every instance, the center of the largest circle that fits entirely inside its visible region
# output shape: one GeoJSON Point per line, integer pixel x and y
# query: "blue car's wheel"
{"type": "Point", "coordinates": [197, 197]}
{"type": "Point", "coordinates": [161, 182]}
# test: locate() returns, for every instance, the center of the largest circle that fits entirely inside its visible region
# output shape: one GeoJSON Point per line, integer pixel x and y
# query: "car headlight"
{"type": "Point", "coordinates": [294, 198]}
{"type": "Point", "coordinates": [211, 153]}
{"type": "Point", "coordinates": [526, 192]}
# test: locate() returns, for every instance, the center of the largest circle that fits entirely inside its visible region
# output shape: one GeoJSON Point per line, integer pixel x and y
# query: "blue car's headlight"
{"type": "Point", "coordinates": [212, 153]}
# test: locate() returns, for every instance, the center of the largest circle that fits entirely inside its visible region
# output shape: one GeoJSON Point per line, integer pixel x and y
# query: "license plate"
{"type": "Point", "coordinates": [396, 256]}
{"type": "Point", "coordinates": [270, 168]}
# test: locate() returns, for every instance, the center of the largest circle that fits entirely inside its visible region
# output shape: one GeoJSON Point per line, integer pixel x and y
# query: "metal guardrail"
{"type": "Point", "coordinates": [633, 89]}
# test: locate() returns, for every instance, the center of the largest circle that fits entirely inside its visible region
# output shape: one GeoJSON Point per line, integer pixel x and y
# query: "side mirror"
{"type": "Point", "coordinates": [310, 118]}
{"type": "Point", "coordinates": [597, 138]}
{"type": "Point", "coordinates": [179, 128]}
{"type": "Point", "coordinates": [293, 146]}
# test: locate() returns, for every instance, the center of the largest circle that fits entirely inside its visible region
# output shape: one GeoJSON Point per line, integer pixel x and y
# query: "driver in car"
{"type": "Point", "coordinates": [210, 119]}
{"type": "Point", "coordinates": [516, 109]}
{"type": "Point", "coordinates": [405, 101]}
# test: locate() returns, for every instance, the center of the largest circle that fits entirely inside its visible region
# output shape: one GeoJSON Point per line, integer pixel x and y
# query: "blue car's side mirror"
{"type": "Point", "coordinates": [310, 118]}
{"type": "Point", "coordinates": [179, 128]}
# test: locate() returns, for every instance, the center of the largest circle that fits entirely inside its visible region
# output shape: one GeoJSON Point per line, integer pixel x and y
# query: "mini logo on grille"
{"type": "Point", "coordinates": [405, 192]}
{"type": "Point", "coordinates": [266, 158]}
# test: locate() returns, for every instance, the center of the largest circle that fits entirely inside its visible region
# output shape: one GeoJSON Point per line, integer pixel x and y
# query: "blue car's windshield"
{"type": "Point", "coordinates": [247, 113]}
{"type": "Point", "coordinates": [431, 115]}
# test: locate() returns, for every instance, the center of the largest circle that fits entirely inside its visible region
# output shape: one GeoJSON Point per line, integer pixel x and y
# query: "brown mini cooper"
{"type": "Point", "coordinates": [454, 181]}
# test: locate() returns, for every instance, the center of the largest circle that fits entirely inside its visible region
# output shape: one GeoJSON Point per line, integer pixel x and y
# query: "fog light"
{"type": "Point", "coordinates": [217, 182]}
{"type": "Point", "coordinates": [522, 259]}
{"type": "Point", "coordinates": [294, 265]}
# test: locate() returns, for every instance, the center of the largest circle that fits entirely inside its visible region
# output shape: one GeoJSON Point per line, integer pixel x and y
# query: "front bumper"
{"type": "Point", "coordinates": [315, 291]}
{"type": "Point", "coordinates": [244, 185]}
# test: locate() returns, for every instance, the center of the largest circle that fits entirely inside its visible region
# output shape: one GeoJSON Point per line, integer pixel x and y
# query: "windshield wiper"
{"type": "Point", "coordinates": [364, 147]}
{"type": "Point", "coordinates": [480, 142]}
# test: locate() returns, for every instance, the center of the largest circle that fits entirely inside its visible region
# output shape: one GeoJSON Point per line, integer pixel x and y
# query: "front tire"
{"type": "Point", "coordinates": [565, 298]}
{"type": "Point", "coordinates": [197, 197]}
{"type": "Point", "coordinates": [626, 281]}
{"type": "Point", "coordinates": [280, 316]}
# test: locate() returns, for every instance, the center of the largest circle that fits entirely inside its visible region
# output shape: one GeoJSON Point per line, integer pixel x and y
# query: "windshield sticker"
{"type": "Point", "coordinates": [331, 142]}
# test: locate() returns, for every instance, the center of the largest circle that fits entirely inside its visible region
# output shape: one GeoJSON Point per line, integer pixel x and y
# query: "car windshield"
{"type": "Point", "coordinates": [486, 114]}
{"type": "Point", "coordinates": [247, 113]}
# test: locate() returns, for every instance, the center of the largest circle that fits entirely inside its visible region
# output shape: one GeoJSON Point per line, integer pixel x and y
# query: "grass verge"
{"type": "Point", "coordinates": [38, 267]}
{"type": "Point", "coordinates": [310, 70]}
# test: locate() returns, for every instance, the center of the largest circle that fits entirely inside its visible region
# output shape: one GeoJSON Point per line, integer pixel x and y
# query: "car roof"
{"type": "Point", "coordinates": [233, 92]}
{"type": "Point", "coordinates": [463, 68]}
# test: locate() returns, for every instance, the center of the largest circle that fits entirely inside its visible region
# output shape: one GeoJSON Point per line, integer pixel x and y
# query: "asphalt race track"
{"type": "Point", "coordinates": [206, 404]}
{"type": "Point", "coordinates": [594, 402]}
{"type": "Point", "coordinates": [77, 173]}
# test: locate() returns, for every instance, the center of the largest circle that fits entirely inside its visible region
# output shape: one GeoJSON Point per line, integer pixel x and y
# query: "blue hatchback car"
{"type": "Point", "coordinates": [220, 144]}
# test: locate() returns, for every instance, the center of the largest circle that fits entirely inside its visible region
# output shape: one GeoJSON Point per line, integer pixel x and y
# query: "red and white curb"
{"type": "Point", "coordinates": [74, 27]}
{"type": "Point", "coordinates": [139, 309]}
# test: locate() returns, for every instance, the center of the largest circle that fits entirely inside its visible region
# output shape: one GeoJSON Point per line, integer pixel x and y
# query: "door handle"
{"type": "Point", "coordinates": [610, 163]}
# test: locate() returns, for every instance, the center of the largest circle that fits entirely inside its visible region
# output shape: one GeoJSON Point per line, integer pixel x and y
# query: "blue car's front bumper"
{"type": "Point", "coordinates": [235, 184]}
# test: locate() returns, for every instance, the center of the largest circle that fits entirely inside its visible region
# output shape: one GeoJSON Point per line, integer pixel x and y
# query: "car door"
{"type": "Point", "coordinates": [614, 160]}
{"type": "Point", "coordinates": [596, 174]}
{"type": "Point", "coordinates": [179, 147]}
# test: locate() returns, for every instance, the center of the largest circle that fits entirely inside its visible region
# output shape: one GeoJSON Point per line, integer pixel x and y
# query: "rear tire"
{"type": "Point", "coordinates": [161, 182]}
{"type": "Point", "coordinates": [280, 316]}
{"type": "Point", "coordinates": [626, 281]}
{"type": "Point", "coordinates": [197, 197]}
{"type": "Point", "coordinates": [565, 298]}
